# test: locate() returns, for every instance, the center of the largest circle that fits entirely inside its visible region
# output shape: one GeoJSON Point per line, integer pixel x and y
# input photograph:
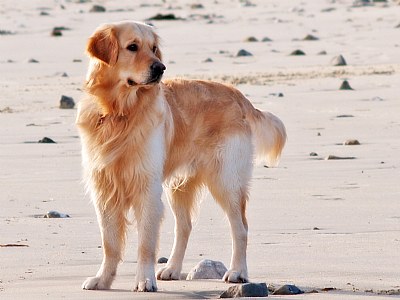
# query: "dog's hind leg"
{"type": "Point", "coordinates": [182, 201]}
{"type": "Point", "coordinates": [229, 186]}
{"type": "Point", "coordinates": [112, 226]}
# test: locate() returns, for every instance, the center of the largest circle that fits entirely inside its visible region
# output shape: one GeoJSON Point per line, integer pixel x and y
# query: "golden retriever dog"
{"type": "Point", "coordinates": [140, 134]}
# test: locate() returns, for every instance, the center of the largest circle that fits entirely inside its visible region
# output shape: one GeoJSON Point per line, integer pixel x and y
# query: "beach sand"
{"type": "Point", "coordinates": [313, 222]}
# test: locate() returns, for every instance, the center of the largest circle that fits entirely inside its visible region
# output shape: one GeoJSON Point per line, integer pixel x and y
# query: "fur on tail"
{"type": "Point", "coordinates": [269, 137]}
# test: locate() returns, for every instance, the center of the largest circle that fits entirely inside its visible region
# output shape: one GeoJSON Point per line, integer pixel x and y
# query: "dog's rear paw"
{"type": "Point", "coordinates": [168, 273]}
{"type": "Point", "coordinates": [95, 283]}
{"type": "Point", "coordinates": [233, 276]}
{"type": "Point", "coordinates": [147, 285]}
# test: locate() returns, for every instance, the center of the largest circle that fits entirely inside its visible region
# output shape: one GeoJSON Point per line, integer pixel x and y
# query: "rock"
{"type": "Point", "coordinates": [197, 6]}
{"type": "Point", "coordinates": [97, 8]}
{"type": "Point", "coordinates": [208, 60]}
{"type": "Point", "coordinates": [266, 39]}
{"type": "Point", "coordinates": [345, 86]}
{"type": "Point", "coordinates": [6, 109]}
{"type": "Point", "coordinates": [77, 60]}
{"type": "Point", "coordinates": [288, 289]}
{"type": "Point", "coordinates": [6, 32]}
{"type": "Point", "coordinates": [323, 52]}
{"type": "Point", "coordinates": [167, 17]}
{"type": "Point", "coordinates": [310, 37]}
{"type": "Point", "coordinates": [46, 140]}
{"type": "Point", "coordinates": [351, 142]}
{"type": "Point", "coordinates": [338, 61]}
{"type": "Point", "coordinates": [246, 290]}
{"type": "Point", "coordinates": [334, 157]}
{"type": "Point", "coordinates": [243, 52]}
{"type": "Point", "coordinates": [313, 154]}
{"type": "Point", "coordinates": [64, 74]}
{"type": "Point", "coordinates": [162, 260]}
{"type": "Point", "coordinates": [34, 61]}
{"type": "Point", "coordinates": [207, 269]}
{"type": "Point", "coordinates": [56, 32]}
{"type": "Point", "coordinates": [44, 13]}
{"type": "Point", "coordinates": [344, 116]}
{"type": "Point", "coordinates": [251, 39]}
{"type": "Point", "coordinates": [298, 52]}
{"type": "Point", "coordinates": [55, 214]}
{"type": "Point", "coordinates": [376, 98]}
{"type": "Point", "coordinates": [276, 94]}
{"type": "Point", "coordinates": [67, 102]}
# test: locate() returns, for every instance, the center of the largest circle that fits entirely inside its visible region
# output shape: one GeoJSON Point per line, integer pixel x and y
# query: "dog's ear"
{"type": "Point", "coordinates": [103, 45]}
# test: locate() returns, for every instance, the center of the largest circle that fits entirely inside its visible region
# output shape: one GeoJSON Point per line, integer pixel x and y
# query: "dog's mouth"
{"type": "Point", "coordinates": [151, 81]}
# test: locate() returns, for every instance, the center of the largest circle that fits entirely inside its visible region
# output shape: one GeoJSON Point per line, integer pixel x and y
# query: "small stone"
{"type": "Point", "coordinates": [55, 214]}
{"type": "Point", "coordinates": [246, 290]}
{"type": "Point", "coordinates": [376, 99]}
{"type": "Point", "coordinates": [46, 140]}
{"type": "Point", "coordinates": [208, 60]}
{"type": "Point", "coordinates": [288, 289]}
{"type": "Point", "coordinates": [243, 52]}
{"type": "Point", "coordinates": [6, 32]}
{"type": "Point", "coordinates": [345, 86]}
{"type": "Point", "coordinates": [6, 109]}
{"type": "Point", "coordinates": [67, 102]}
{"type": "Point", "coordinates": [316, 228]}
{"type": "Point", "coordinates": [251, 39]}
{"type": "Point", "coordinates": [97, 8]}
{"type": "Point", "coordinates": [338, 61]}
{"type": "Point", "coordinates": [64, 74]}
{"type": "Point", "coordinates": [207, 269]}
{"type": "Point", "coordinates": [56, 32]}
{"type": "Point", "coordinates": [44, 13]}
{"type": "Point", "coordinates": [334, 157]}
{"type": "Point", "coordinates": [266, 39]}
{"type": "Point", "coordinates": [162, 260]}
{"type": "Point", "coordinates": [34, 61]}
{"type": "Point", "coordinates": [77, 60]}
{"type": "Point", "coordinates": [310, 37]}
{"type": "Point", "coordinates": [277, 94]}
{"type": "Point", "coordinates": [298, 52]}
{"type": "Point", "coordinates": [323, 52]}
{"type": "Point", "coordinates": [345, 116]}
{"type": "Point", "coordinates": [197, 6]}
{"type": "Point", "coordinates": [167, 17]}
{"type": "Point", "coordinates": [351, 142]}
{"type": "Point", "coordinates": [313, 154]}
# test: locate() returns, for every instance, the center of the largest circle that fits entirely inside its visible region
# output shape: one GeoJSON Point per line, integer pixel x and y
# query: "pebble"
{"type": "Point", "coordinates": [313, 154]}
{"type": "Point", "coordinates": [55, 214]}
{"type": "Point", "coordinates": [344, 116]}
{"type": "Point", "coordinates": [288, 289]}
{"type": "Point", "coordinates": [67, 102]}
{"type": "Point", "coordinates": [32, 60]}
{"type": "Point", "coordinates": [338, 61]}
{"type": "Point", "coordinates": [207, 269]}
{"type": "Point", "coordinates": [243, 52]}
{"type": "Point", "coordinates": [56, 32]}
{"type": "Point", "coordinates": [334, 157]}
{"type": "Point", "coordinates": [168, 17]}
{"type": "Point", "coordinates": [208, 60]}
{"type": "Point", "coordinates": [345, 86]}
{"type": "Point", "coordinates": [251, 39]}
{"type": "Point", "coordinates": [197, 6]}
{"type": "Point", "coordinates": [246, 290]}
{"type": "Point", "coordinates": [351, 142]}
{"type": "Point", "coordinates": [310, 37]}
{"type": "Point", "coordinates": [266, 39]}
{"type": "Point", "coordinates": [46, 140]}
{"type": "Point", "coordinates": [323, 52]}
{"type": "Point", "coordinates": [298, 52]}
{"type": "Point", "coordinates": [97, 8]}
{"type": "Point", "coordinates": [162, 260]}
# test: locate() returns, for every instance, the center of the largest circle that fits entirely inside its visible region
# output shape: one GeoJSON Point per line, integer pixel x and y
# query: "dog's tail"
{"type": "Point", "coordinates": [269, 136]}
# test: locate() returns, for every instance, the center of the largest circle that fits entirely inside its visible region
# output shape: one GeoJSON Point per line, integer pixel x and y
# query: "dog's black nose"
{"type": "Point", "coordinates": [157, 69]}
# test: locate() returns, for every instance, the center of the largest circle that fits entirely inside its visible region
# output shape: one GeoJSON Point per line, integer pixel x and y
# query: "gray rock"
{"type": "Point", "coordinates": [288, 289]}
{"type": "Point", "coordinates": [313, 154]}
{"type": "Point", "coordinates": [266, 39]}
{"type": "Point", "coordinates": [323, 52]}
{"type": "Point", "coordinates": [251, 39]}
{"type": "Point", "coordinates": [55, 214]}
{"type": "Point", "coordinates": [246, 290]}
{"type": "Point", "coordinates": [97, 8]}
{"type": "Point", "coordinates": [351, 142]}
{"type": "Point", "coordinates": [345, 86]}
{"type": "Point", "coordinates": [162, 260]}
{"type": "Point", "coordinates": [46, 140]}
{"type": "Point", "coordinates": [243, 52]}
{"type": "Point", "coordinates": [310, 37]}
{"type": "Point", "coordinates": [298, 52]}
{"type": "Point", "coordinates": [338, 61]}
{"type": "Point", "coordinates": [334, 157]}
{"type": "Point", "coordinates": [208, 60]}
{"type": "Point", "coordinates": [207, 269]}
{"type": "Point", "coordinates": [34, 61]}
{"type": "Point", "coordinates": [67, 102]}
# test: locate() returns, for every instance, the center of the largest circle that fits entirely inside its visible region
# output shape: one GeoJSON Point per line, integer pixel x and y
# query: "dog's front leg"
{"type": "Point", "coordinates": [148, 216]}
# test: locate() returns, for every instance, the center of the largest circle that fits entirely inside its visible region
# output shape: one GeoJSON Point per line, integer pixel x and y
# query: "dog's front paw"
{"type": "Point", "coordinates": [95, 283]}
{"type": "Point", "coordinates": [233, 276]}
{"type": "Point", "coordinates": [168, 273]}
{"type": "Point", "coordinates": [147, 285]}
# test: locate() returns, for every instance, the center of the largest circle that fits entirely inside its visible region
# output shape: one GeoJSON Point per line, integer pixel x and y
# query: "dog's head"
{"type": "Point", "coordinates": [129, 52]}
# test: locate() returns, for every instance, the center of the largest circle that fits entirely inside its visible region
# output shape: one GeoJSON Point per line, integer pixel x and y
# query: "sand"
{"type": "Point", "coordinates": [314, 223]}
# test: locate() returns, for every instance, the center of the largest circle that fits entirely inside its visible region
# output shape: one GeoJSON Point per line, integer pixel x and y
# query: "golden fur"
{"type": "Point", "coordinates": [138, 133]}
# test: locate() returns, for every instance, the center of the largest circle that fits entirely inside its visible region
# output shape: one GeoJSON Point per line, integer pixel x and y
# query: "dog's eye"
{"type": "Point", "coordinates": [155, 49]}
{"type": "Point", "coordinates": [132, 47]}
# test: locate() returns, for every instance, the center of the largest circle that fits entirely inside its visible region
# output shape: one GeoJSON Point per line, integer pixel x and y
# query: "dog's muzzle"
{"type": "Point", "coordinates": [156, 72]}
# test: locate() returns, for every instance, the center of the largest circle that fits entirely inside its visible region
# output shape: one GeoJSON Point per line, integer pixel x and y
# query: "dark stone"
{"type": "Point", "coordinates": [334, 157]}
{"type": "Point", "coordinates": [34, 61]}
{"type": "Point", "coordinates": [6, 32]}
{"type": "Point", "coordinates": [344, 116]}
{"type": "Point", "coordinates": [338, 61]}
{"type": "Point", "coordinates": [345, 86]}
{"type": "Point", "coordinates": [97, 8]}
{"type": "Point", "coordinates": [55, 214]}
{"type": "Point", "coordinates": [310, 37]}
{"type": "Point", "coordinates": [208, 60]}
{"type": "Point", "coordinates": [313, 154]}
{"type": "Point", "coordinates": [243, 52]}
{"type": "Point", "coordinates": [197, 6]}
{"type": "Point", "coordinates": [167, 17]}
{"type": "Point", "coordinates": [288, 289]}
{"type": "Point", "coordinates": [351, 142]}
{"type": "Point", "coordinates": [162, 260]}
{"type": "Point", "coordinates": [56, 32]}
{"type": "Point", "coordinates": [67, 102]}
{"type": "Point", "coordinates": [46, 140]}
{"type": "Point", "coordinates": [246, 290]}
{"type": "Point", "coordinates": [266, 39]}
{"type": "Point", "coordinates": [298, 52]}
{"type": "Point", "coordinates": [251, 39]}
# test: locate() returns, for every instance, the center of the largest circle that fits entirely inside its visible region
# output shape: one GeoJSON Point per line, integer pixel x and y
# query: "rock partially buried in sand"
{"type": "Point", "coordinates": [351, 142]}
{"type": "Point", "coordinates": [334, 157]}
{"type": "Point", "coordinates": [207, 269]}
{"type": "Point", "coordinates": [298, 52]}
{"type": "Point", "coordinates": [162, 260]}
{"type": "Point", "coordinates": [67, 102]}
{"type": "Point", "coordinates": [345, 86]}
{"type": "Point", "coordinates": [243, 52]}
{"type": "Point", "coordinates": [310, 37]}
{"type": "Point", "coordinates": [288, 289]}
{"type": "Point", "coordinates": [251, 39]}
{"type": "Point", "coordinates": [166, 17]}
{"type": "Point", "coordinates": [97, 8]}
{"type": "Point", "coordinates": [55, 214]}
{"type": "Point", "coordinates": [246, 290]}
{"type": "Point", "coordinates": [338, 61]}
{"type": "Point", "coordinates": [46, 140]}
